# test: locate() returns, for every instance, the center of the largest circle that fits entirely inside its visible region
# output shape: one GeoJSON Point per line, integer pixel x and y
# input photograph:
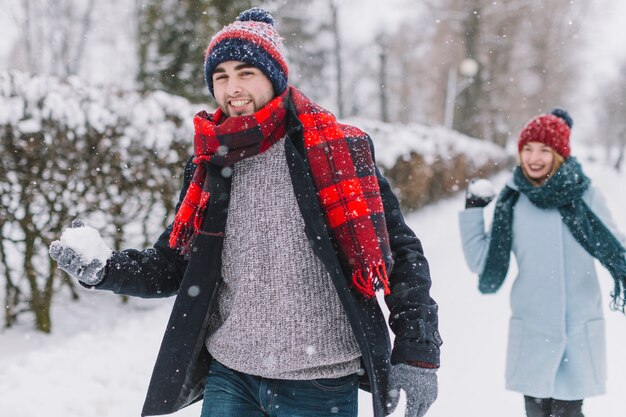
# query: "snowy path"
{"type": "Point", "coordinates": [99, 360]}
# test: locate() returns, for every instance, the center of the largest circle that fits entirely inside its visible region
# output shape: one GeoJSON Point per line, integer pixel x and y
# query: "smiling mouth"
{"type": "Point", "coordinates": [239, 102]}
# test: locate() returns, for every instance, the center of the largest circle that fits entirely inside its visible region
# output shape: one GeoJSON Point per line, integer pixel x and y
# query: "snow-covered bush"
{"type": "Point", "coordinates": [68, 150]}
{"type": "Point", "coordinates": [114, 158]}
{"type": "Point", "coordinates": [426, 163]}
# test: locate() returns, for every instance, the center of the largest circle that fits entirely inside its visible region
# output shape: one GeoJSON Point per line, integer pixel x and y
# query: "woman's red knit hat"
{"type": "Point", "coordinates": [553, 129]}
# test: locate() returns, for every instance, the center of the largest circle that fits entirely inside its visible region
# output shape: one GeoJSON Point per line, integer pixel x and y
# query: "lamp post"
{"type": "Point", "coordinates": [468, 68]}
{"type": "Point", "coordinates": [381, 40]}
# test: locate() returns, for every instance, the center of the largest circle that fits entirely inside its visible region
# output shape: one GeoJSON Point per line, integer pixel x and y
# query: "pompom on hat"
{"type": "Point", "coordinates": [553, 129]}
{"type": "Point", "coordinates": [252, 39]}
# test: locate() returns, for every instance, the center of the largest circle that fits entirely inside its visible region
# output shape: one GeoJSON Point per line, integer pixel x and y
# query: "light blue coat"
{"type": "Point", "coordinates": [556, 347]}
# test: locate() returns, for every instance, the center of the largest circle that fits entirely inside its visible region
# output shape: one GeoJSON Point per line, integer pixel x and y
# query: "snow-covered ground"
{"type": "Point", "coordinates": [98, 360]}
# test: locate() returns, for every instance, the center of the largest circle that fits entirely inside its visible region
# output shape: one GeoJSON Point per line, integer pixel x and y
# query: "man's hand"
{"type": "Point", "coordinates": [81, 252]}
{"type": "Point", "coordinates": [479, 193]}
{"type": "Point", "coordinates": [419, 384]}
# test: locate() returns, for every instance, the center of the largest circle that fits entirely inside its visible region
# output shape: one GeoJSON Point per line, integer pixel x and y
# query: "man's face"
{"type": "Point", "coordinates": [241, 89]}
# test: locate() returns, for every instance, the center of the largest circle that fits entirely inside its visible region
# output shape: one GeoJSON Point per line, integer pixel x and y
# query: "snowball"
{"type": "Point", "coordinates": [482, 188]}
{"type": "Point", "coordinates": [86, 241]}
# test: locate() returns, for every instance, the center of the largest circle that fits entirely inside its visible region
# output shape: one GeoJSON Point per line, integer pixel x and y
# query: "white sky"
{"type": "Point", "coordinates": [361, 22]}
{"type": "Point", "coordinates": [7, 32]}
{"type": "Point", "coordinates": [605, 31]}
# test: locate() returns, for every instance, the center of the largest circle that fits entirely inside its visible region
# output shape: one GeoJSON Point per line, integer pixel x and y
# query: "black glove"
{"type": "Point", "coordinates": [75, 263]}
{"type": "Point", "coordinates": [419, 385]}
{"type": "Point", "coordinates": [479, 193]}
{"type": "Point", "coordinates": [472, 201]}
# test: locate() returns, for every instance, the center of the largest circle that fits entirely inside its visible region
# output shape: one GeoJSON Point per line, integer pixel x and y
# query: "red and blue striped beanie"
{"type": "Point", "coordinates": [252, 39]}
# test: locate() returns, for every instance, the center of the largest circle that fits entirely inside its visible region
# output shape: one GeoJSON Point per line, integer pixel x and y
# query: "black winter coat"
{"type": "Point", "coordinates": [182, 364]}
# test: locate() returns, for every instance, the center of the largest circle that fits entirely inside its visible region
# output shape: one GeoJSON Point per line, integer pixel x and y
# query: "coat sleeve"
{"type": "Point", "coordinates": [474, 239]}
{"type": "Point", "coordinates": [413, 314]}
{"type": "Point", "coordinates": [150, 273]}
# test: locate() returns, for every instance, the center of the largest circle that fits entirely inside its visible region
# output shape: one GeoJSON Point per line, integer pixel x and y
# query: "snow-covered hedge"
{"type": "Point", "coordinates": [114, 158]}
{"type": "Point", "coordinates": [69, 150]}
{"type": "Point", "coordinates": [425, 163]}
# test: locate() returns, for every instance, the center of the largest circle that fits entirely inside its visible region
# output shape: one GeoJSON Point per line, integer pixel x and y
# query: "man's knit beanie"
{"type": "Point", "coordinates": [552, 129]}
{"type": "Point", "coordinates": [252, 39]}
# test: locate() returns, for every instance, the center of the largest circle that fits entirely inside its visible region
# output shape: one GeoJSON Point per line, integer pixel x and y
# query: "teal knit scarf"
{"type": "Point", "coordinates": [562, 191]}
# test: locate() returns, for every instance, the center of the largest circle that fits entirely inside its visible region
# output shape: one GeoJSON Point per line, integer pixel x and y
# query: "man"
{"type": "Point", "coordinates": [283, 232]}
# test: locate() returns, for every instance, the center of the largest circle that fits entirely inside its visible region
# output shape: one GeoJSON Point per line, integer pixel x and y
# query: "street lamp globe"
{"type": "Point", "coordinates": [468, 67]}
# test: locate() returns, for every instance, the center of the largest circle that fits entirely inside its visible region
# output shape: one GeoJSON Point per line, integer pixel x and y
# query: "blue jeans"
{"type": "Point", "coordinates": [229, 393]}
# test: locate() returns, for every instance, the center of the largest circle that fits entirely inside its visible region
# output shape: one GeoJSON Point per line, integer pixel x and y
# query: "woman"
{"type": "Point", "coordinates": [555, 223]}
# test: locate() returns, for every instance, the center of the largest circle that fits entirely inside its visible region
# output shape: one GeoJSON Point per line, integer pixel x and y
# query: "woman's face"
{"type": "Point", "coordinates": [537, 160]}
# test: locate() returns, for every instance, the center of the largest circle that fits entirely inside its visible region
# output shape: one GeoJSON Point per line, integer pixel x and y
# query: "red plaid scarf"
{"type": "Point", "coordinates": [343, 172]}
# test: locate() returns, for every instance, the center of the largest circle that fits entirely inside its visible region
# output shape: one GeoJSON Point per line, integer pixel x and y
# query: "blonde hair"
{"type": "Point", "coordinates": [557, 161]}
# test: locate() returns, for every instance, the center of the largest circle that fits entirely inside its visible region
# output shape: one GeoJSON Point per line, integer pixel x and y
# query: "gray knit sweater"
{"type": "Point", "coordinates": [279, 314]}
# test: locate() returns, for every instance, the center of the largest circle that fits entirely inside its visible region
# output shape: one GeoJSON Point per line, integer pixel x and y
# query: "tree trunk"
{"type": "Point", "coordinates": [338, 63]}
{"type": "Point", "coordinates": [75, 61]}
{"type": "Point", "coordinates": [620, 156]}
{"type": "Point", "coordinates": [40, 300]}
{"type": "Point", "coordinates": [11, 296]}
{"type": "Point", "coordinates": [382, 88]}
{"type": "Point", "coordinates": [467, 113]}
{"type": "Point", "coordinates": [42, 317]}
